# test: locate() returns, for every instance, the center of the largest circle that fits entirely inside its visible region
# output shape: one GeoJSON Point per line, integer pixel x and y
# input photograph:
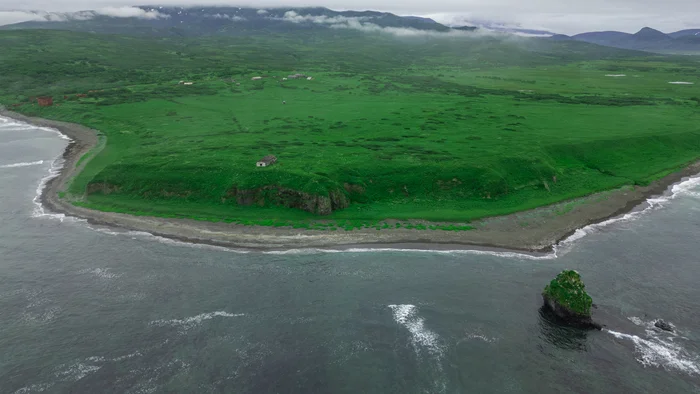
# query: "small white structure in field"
{"type": "Point", "coordinates": [188, 83]}
{"type": "Point", "coordinates": [309, 78]}
{"type": "Point", "coordinates": [266, 161]}
{"type": "Point", "coordinates": [284, 79]}
{"type": "Point", "coordinates": [256, 78]}
{"type": "Point", "coordinates": [181, 82]}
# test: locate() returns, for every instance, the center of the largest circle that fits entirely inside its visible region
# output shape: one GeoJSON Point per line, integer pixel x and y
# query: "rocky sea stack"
{"type": "Point", "coordinates": [566, 296]}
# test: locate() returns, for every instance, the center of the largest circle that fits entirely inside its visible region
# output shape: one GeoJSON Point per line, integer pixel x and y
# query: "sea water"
{"type": "Point", "coordinates": [90, 309]}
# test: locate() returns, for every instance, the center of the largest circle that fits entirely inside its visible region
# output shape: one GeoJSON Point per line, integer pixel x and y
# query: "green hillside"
{"type": "Point", "coordinates": [423, 128]}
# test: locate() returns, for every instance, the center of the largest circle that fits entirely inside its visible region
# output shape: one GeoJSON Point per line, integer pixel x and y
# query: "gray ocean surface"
{"type": "Point", "coordinates": [85, 309]}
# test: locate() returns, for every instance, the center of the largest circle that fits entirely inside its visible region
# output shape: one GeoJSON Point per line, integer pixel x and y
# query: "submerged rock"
{"type": "Point", "coordinates": [566, 296]}
{"type": "Point", "coordinates": [663, 325]}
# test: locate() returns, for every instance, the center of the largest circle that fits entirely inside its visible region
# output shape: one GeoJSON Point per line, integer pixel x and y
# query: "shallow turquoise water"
{"type": "Point", "coordinates": [90, 310]}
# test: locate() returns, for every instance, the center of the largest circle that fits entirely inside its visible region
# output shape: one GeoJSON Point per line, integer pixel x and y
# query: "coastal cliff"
{"type": "Point", "coordinates": [290, 198]}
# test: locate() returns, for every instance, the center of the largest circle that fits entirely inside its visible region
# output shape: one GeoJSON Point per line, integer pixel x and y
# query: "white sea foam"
{"type": "Point", "coordinates": [54, 170]}
{"type": "Point", "coordinates": [102, 273]}
{"type": "Point", "coordinates": [480, 337]}
{"type": "Point", "coordinates": [681, 83]}
{"type": "Point", "coordinates": [650, 327]}
{"type": "Point", "coordinates": [9, 124]}
{"type": "Point", "coordinates": [34, 388]}
{"type": "Point", "coordinates": [41, 316]}
{"type": "Point", "coordinates": [425, 343]}
{"type": "Point", "coordinates": [431, 251]}
{"type": "Point", "coordinates": [76, 372]}
{"type": "Point", "coordinates": [421, 337]}
{"type": "Point", "coordinates": [684, 188]}
{"type": "Point", "coordinates": [656, 351]}
{"type": "Point", "coordinates": [128, 356]}
{"type": "Point", "coordinates": [615, 75]}
{"type": "Point", "coordinates": [189, 322]}
{"type": "Point", "coordinates": [164, 240]}
{"type": "Point", "coordinates": [39, 211]}
{"type": "Point", "coordinates": [27, 164]}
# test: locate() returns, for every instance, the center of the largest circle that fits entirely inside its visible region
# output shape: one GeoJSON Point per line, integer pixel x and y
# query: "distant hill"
{"type": "Point", "coordinates": [686, 33]}
{"type": "Point", "coordinates": [212, 21]}
{"type": "Point", "coordinates": [647, 39]}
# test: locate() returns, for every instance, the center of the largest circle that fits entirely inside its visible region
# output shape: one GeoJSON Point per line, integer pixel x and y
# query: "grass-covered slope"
{"type": "Point", "coordinates": [436, 129]}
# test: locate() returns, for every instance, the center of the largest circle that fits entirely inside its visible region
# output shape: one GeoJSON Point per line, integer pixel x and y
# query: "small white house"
{"type": "Point", "coordinates": [266, 161]}
{"type": "Point", "coordinates": [309, 78]}
{"type": "Point", "coordinates": [284, 79]}
{"type": "Point", "coordinates": [188, 83]}
{"type": "Point", "coordinates": [256, 78]}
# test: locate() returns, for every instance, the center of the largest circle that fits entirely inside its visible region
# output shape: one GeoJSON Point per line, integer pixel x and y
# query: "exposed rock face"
{"type": "Point", "coordinates": [663, 325]}
{"type": "Point", "coordinates": [567, 298]}
{"type": "Point", "coordinates": [102, 188]}
{"type": "Point", "coordinates": [278, 195]}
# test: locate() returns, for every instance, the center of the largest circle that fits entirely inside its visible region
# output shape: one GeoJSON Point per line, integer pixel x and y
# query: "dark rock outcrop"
{"type": "Point", "coordinates": [663, 325]}
{"type": "Point", "coordinates": [290, 198]}
{"type": "Point", "coordinates": [566, 297]}
{"type": "Point", "coordinates": [102, 188]}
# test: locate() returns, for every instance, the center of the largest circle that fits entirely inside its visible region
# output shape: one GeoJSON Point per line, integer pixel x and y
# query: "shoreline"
{"type": "Point", "coordinates": [535, 231]}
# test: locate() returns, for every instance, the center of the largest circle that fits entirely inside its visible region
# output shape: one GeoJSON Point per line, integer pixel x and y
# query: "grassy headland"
{"type": "Point", "coordinates": [438, 129]}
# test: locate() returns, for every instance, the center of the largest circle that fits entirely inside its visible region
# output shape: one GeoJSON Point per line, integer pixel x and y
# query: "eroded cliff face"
{"type": "Point", "coordinates": [290, 198]}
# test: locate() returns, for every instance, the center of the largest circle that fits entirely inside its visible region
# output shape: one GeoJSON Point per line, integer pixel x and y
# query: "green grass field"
{"type": "Point", "coordinates": [435, 130]}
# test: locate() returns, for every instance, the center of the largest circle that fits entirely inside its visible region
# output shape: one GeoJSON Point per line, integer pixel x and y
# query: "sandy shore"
{"type": "Point", "coordinates": [532, 231]}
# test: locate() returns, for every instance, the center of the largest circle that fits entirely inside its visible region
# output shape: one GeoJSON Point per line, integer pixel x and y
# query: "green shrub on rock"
{"type": "Point", "coordinates": [568, 291]}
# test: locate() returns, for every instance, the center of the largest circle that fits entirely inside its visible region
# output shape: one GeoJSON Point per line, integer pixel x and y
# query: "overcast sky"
{"type": "Point", "coordinates": [560, 16]}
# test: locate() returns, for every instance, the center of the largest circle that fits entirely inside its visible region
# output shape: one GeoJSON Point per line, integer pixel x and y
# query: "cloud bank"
{"type": "Point", "coordinates": [363, 23]}
{"type": "Point", "coordinates": [559, 16]}
{"type": "Point", "coordinates": [7, 17]}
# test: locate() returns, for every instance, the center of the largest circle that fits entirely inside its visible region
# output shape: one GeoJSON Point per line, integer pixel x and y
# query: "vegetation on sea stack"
{"type": "Point", "coordinates": [568, 290]}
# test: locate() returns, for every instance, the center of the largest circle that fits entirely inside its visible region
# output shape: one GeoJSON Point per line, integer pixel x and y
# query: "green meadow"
{"type": "Point", "coordinates": [409, 132]}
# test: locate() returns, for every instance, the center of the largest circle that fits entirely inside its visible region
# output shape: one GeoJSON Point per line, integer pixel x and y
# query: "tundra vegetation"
{"type": "Point", "coordinates": [390, 132]}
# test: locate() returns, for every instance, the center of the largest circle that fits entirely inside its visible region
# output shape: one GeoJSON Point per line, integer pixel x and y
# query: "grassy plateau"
{"type": "Point", "coordinates": [392, 131]}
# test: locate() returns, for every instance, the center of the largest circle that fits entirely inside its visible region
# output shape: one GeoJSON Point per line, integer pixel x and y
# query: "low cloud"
{"type": "Point", "coordinates": [9, 17]}
{"type": "Point", "coordinates": [291, 16]}
{"type": "Point", "coordinates": [235, 18]}
{"type": "Point", "coordinates": [363, 23]}
{"type": "Point", "coordinates": [130, 12]}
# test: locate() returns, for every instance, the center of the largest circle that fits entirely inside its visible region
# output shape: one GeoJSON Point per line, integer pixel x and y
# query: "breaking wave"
{"type": "Point", "coordinates": [39, 211]}
{"type": "Point", "coordinates": [684, 188]}
{"type": "Point", "coordinates": [425, 342]}
{"type": "Point", "coordinates": [658, 351]}
{"type": "Point", "coordinates": [102, 273]}
{"type": "Point", "coordinates": [421, 337]}
{"type": "Point", "coordinates": [193, 321]}
{"type": "Point", "coordinates": [15, 165]}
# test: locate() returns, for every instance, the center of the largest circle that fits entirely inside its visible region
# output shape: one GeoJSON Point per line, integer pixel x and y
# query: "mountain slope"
{"type": "Point", "coordinates": [647, 39]}
{"type": "Point", "coordinates": [686, 33]}
{"type": "Point", "coordinates": [231, 21]}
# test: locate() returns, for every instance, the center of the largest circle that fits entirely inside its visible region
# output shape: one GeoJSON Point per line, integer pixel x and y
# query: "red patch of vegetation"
{"type": "Point", "coordinates": [45, 101]}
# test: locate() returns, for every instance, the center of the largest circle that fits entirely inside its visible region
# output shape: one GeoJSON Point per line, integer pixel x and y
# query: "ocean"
{"type": "Point", "coordinates": [86, 309]}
